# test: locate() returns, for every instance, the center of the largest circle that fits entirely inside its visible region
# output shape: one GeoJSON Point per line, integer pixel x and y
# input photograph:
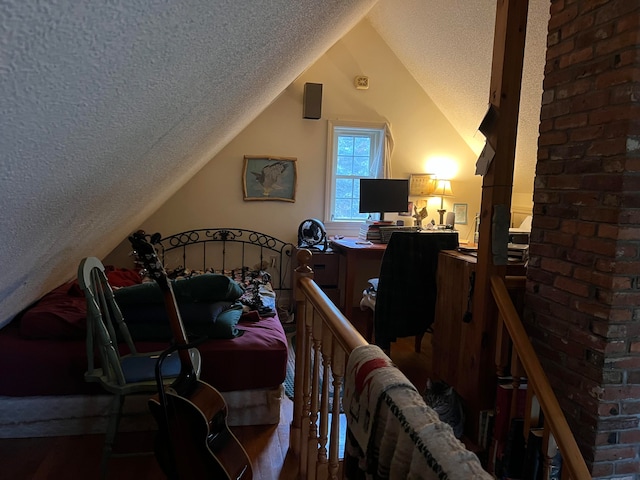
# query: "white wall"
{"type": "Point", "coordinates": [213, 197]}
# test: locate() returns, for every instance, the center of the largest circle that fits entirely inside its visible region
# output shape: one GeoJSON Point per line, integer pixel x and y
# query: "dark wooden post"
{"type": "Point", "coordinates": [506, 75]}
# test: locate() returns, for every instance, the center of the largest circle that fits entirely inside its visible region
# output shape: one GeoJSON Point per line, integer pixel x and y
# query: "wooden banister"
{"type": "Point", "coordinates": [340, 328]}
{"type": "Point", "coordinates": [324, 341]}
{"type": "Point", "coordinates": [554, 418]}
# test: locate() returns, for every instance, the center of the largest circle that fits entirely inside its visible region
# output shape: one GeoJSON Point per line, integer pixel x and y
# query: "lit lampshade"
{"type": "Point", "coordinates": [442, 189]}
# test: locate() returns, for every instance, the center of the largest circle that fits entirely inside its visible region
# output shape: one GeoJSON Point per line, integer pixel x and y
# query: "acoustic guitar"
{"type": "Point", "coordinates": [194, 440]}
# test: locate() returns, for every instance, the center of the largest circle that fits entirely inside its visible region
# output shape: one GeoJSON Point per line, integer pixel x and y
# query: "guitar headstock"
{"type": "Point", "coordinates": [146, 253]}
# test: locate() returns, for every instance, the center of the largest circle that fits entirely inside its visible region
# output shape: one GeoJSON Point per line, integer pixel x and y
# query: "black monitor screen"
{"type": "Point", "coordinates": [379, 195]}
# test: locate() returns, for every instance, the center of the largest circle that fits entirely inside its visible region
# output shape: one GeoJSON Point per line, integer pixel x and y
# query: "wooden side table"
{"type": "Point", "coordinates": [326, 272]}
{"type": "Point", "coordinates": [455, 272]}
{"type": "Point", "coordinates": [352, 251]}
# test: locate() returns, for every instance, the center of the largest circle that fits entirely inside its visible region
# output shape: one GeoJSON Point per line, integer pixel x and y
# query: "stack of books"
{"type": "Point", "coordinates": [370, 230]}
{"type": "Point", "coordinates": [500, 440]}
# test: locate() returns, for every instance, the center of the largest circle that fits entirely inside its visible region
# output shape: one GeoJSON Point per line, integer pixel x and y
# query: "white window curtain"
{"type": "Point", "coordinates": [381, 165]}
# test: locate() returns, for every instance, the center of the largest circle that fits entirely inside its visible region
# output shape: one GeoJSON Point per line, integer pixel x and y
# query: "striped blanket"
{"type": "Point", "coordinates": [391, 431]}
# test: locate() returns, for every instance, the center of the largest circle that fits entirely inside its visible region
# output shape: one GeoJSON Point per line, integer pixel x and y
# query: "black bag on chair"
{"type": "Point", "coordinates": [407, 290]}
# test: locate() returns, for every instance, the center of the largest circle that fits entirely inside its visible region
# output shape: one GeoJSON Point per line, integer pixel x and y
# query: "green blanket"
{"type": "Point", "coordinates": [206, 288]}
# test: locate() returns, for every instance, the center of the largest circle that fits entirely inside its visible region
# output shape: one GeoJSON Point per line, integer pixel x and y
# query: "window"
{"type": "Point", "coordinates": [355, 151]}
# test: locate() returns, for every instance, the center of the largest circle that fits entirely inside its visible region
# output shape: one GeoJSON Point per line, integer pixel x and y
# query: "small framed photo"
{"type": "Point", "coordinates": [421, 184]}
{"type": "Point", "coordinates": [269, 178]}
{"type": "Point", "coordinates": [460, 209]}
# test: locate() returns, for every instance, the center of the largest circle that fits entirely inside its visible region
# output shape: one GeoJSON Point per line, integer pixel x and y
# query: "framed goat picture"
{"type": "Point", "coordinates": [269, 178]}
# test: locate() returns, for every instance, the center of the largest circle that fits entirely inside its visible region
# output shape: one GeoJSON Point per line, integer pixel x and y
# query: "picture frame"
{"type": "Point", "coordinates": [421, 184]}
{"type": "Point", "coordinates": [269, 178]}
{"type": "Point", "coordinates": [460, 209]}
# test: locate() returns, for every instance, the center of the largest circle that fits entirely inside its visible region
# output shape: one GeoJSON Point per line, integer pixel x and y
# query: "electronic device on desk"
{"type": "Point", "coordinates": [520, 234]}
{"type": "Point", "coordinates": [313, 235]}
{"type": "Point", "coordinates": [518, 252]}
{"type": "Point", "coordinates": [450, 221]}
{"type": "Point", "coordinates": [386, 232]}
{"type": "Point", "coordinates": [383, 195]}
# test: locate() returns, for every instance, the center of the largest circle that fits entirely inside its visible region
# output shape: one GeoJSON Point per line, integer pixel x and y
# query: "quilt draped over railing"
{"type": "Point", "coordinates": [390, 431]}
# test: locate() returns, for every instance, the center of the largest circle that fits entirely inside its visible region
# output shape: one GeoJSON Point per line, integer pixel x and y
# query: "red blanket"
{"type": "Point", "coordinates": [43, 351]}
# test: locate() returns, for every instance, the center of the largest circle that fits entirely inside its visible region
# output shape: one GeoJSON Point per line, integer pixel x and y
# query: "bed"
{"type": "Point", "coordinates": [43, 357]}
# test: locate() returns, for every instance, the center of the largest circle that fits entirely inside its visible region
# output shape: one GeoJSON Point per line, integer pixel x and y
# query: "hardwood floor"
{"type": "Point", "coordinates": [78, 457]}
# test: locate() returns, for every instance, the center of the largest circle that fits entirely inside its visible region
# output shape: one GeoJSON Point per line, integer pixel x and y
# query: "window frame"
{"type": "Point", "coordinates": [330, 186]}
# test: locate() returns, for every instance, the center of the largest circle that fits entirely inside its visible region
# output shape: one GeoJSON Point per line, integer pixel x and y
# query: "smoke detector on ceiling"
{"type": "Point", "coordinates": [361, 82]}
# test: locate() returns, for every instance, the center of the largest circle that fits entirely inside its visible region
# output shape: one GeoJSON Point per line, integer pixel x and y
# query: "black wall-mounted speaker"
{"type": "Point", "coordinates": [312, 101]}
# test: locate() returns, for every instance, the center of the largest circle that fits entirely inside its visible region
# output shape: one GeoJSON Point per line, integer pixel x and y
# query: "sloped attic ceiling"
{"type": "Point", "coordinates": [447, 45]}
{"type": "Point", "coordinates": [108, 108]}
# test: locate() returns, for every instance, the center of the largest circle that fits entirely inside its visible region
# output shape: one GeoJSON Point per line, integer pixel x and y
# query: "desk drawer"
{"type": "Point", "coordinates": [325, 269]}
{"type": "Point", "coordinates": [333, 294]}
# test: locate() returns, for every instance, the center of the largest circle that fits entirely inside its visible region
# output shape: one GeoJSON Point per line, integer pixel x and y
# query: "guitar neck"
{"type": "Point", "coordinates": [177, 327]}
{"type": "Point", "coordinates": [147, 255]}
{"type": "Point", "coordinates": [193, 435]}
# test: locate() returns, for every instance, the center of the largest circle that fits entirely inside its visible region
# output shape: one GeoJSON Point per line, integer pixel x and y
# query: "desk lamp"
{"type": "Point", "coordinates": [443, 189]}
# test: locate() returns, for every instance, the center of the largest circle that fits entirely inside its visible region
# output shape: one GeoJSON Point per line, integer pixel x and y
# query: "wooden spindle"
{"type": "Point", "coordinates": [338, 367]}
{"type": "Point", "coordinates": [502, 348]}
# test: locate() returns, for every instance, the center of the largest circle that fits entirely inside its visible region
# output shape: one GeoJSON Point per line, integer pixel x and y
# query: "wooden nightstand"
{"type": "Point", "coordinates": [326, 272]}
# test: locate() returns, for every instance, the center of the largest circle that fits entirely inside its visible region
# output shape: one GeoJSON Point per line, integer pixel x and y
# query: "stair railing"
{"type": "Point", "coordinates": [513, 343]}
{"type": "Point", "coordinates": [324, 340]}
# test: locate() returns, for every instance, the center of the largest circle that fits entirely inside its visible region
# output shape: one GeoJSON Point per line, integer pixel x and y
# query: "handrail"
{"type": "Point", "coordinates": [342, 330]}
{"type": "Point", "coordinates": [324, 341]}
{"type": "Point", "coordinates": [572, 459]}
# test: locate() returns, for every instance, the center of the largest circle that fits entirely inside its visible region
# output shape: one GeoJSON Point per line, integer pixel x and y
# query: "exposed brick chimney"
{"type": "Point", "coordinates": [583, 291]}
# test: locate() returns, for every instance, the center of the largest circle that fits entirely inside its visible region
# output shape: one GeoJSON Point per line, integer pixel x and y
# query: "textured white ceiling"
{"type": "Point", "coordinates": [447, 45]}
{"type": "Point", "coordinates": [107, 108]}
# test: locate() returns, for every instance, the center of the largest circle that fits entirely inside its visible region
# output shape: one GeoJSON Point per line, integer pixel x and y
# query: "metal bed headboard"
{"type": "Point", "coordinates": [254, 247]}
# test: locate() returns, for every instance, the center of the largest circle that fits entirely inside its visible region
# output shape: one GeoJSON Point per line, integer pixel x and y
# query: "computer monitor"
{"type": "Point", "coordinates": [382, 195]}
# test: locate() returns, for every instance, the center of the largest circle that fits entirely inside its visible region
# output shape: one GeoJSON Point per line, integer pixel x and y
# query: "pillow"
{"type": "Point", "coordinates": [57, 315]}
{"type": "Point", "coordinates": [61, 313]}
{"type": "Point", "coordinates": [122, 277]}
{"type": "Point", "coordinates": [117, 277]}
{"type": "Point", "coordinates": [224, 326]}
{"type": "Point", "coordinates": [211, 320]}
{"type": "Point", "coordinates": [190, 313]}
{"type": "Point", "coordinates": [206, 288]}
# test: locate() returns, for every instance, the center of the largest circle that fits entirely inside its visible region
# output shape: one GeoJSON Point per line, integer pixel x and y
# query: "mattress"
{"type": "Point", "coordinates": [256, 359]}
{"type": "Point", "coordinates": [41, 367]}
{"type": "Point", "coordinates": [43, 350]}
{"type": "Point", "coordinates": [29, 367]}
{"type": "Point", "coordinates": [56, 415]}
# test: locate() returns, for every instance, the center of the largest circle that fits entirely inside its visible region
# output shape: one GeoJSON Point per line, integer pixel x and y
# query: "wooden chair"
{"type": "Point", "coordinates": [119, 374]}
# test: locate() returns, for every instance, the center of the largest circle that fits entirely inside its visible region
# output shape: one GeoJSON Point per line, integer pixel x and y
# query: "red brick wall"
{"type": "Point", "coordinates": [583, 293]}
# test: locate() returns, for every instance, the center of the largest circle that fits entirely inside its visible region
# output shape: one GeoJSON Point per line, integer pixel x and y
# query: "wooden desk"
{"type": "Point", "coordinates": [353, 250]}
{"type": "Point", "coordinates": [326, 272]}
{"type": "Point", "coordinates": [450, 360]}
